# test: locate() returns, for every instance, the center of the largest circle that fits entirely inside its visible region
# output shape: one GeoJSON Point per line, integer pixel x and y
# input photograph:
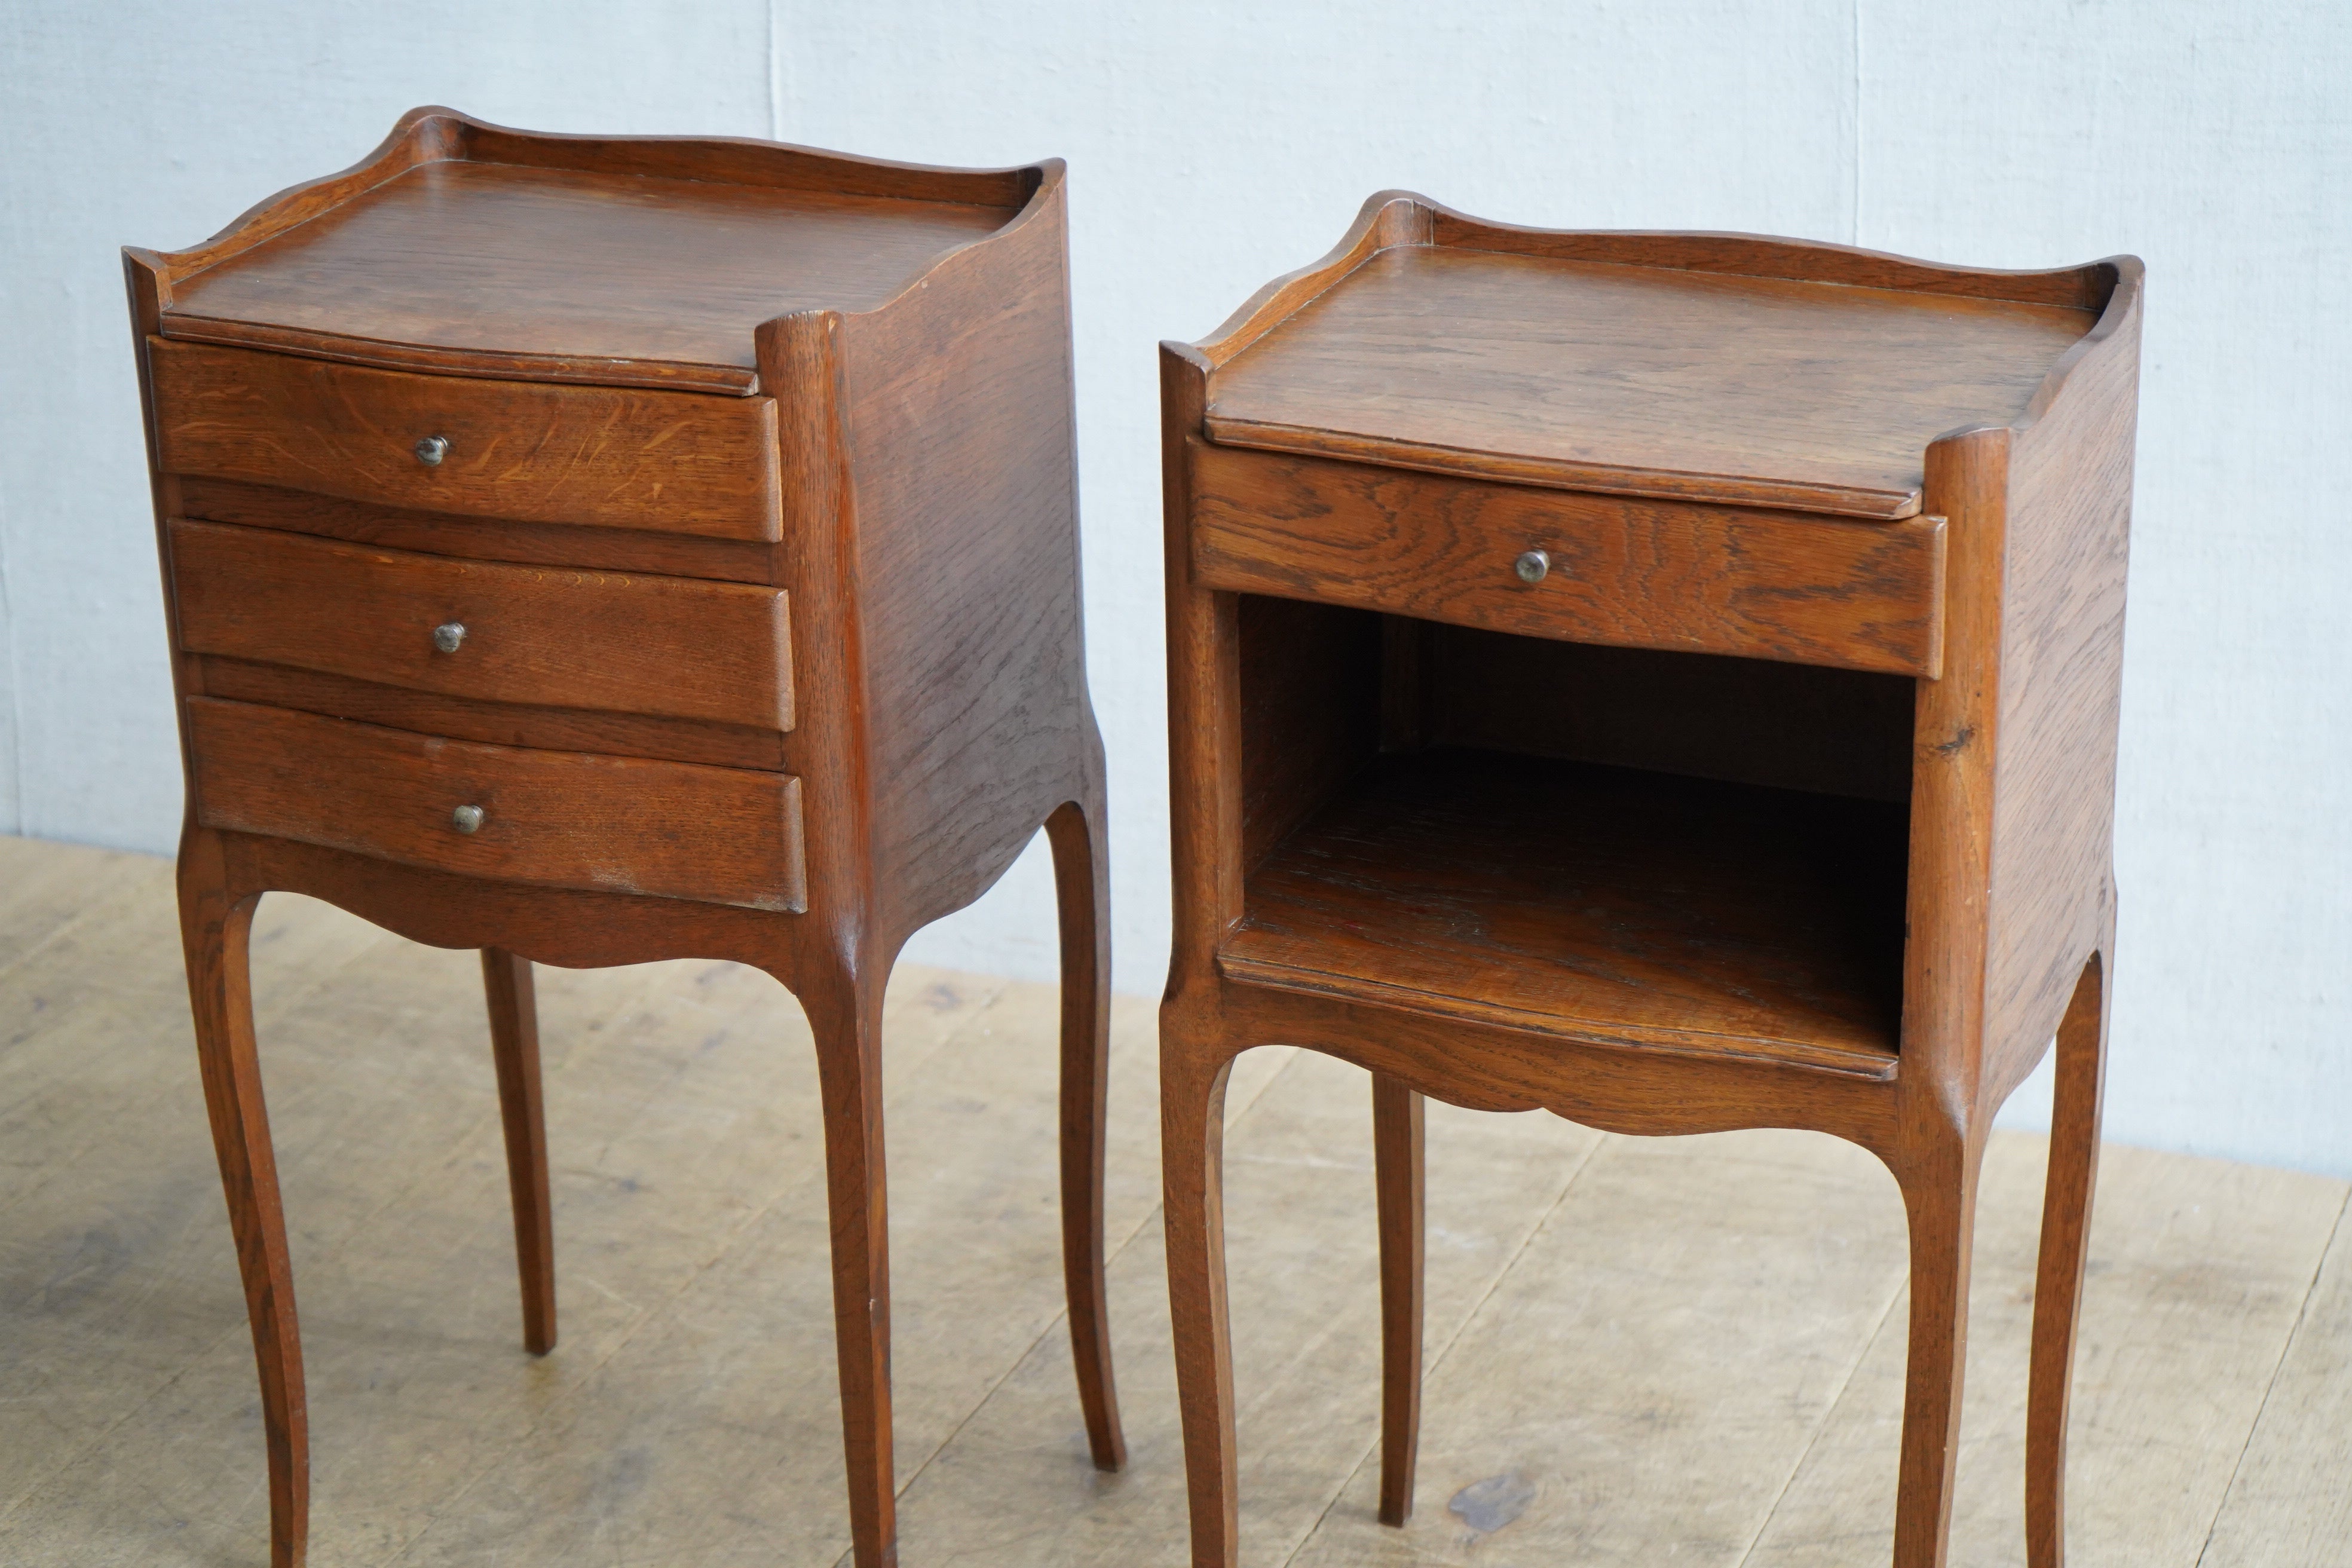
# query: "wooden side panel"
{"type": "Point", "coordinates": [603, 456]}
{"type": "Point", "coordinates": [548, 637]}
{"type": "Point", "coordinates": [564, 819]}
{"type": "Point", "coordinates": [1311, 694]}
{"type": "Point", "coordinates": [2070, 489]}
{"type": "Point", "coordinates": [1639, 574]}
{"type": "Point", "coordinates": [962, 459]}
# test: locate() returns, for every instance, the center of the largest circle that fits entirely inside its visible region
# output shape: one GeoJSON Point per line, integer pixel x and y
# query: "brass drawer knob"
{"type": "Point", "coordinates": [1532, 566]}
{"type": "Point", "coordinates": [431, 449]}
{"type": "Point", "coordinates": [447, 635]}
{"type": "Point", "coordinates": [466, 818]}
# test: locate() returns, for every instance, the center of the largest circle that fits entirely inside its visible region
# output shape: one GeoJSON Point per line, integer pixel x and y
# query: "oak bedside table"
{"type": "Point", "coordinates": [1667, 679]}
{"type": "Point", "coordinates": [593, 551]}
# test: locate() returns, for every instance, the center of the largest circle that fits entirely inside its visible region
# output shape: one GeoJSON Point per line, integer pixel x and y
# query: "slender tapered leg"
{"type": "Point", "coordinates": [1192, 1146]}
{"type": "Point", "coordinates": [2065, 1236]}
{"type": "Point", "coordinates": [1939, 1192]}
{"type": "Point", "coordinates": [1397, 1174]}
{"type": "Point", "coordinates": [514, 1045]}
{"type": "Point", "coordinates": [1082, 883]}
{"type": "Point", "coordinates": [845, 1014]}
{"type": "Point", "coordinates": [216, 926]}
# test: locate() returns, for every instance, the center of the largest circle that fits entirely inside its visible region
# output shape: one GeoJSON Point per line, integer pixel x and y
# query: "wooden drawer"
{"type": "Point", "coordinates": [548, 637]}
{"type": "Point", "coordinates": [1636, 574]}
{"type": "Point", "coordinates": [565, 819]}
{"type": "Point", "coordinates": [607, 457]}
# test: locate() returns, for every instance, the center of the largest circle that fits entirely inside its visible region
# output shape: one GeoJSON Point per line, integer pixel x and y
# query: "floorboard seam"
{"type": "Point", "coordinates": [2286, 1349]}
{"type": "Point", "coordinates": [719, 1255]}
{"type": "Point", "coordinates": [1436, 1363]}
{"type": "Point", "coordinates": [1110, 1254]}
{"type": "Point", "coordinates": [1828, 1412]}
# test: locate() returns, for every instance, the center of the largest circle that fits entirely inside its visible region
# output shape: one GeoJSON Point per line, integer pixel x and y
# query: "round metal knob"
{"type": "Point", "coordinates": [448, 635]}
{"type": "Point", "coordinates": [431, 449]}
{"type": "Point", "coordinates": [1532, 566]}
{"type": "Point", "coordinates": [466, 818]}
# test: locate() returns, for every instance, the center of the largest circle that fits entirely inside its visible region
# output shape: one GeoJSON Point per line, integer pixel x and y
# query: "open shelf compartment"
{"type": "Point", "coordinates": [1683, 852]}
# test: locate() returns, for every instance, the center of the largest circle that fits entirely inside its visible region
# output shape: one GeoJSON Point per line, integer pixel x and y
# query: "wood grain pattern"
{"type": "Point", "coordinates": [522, 1113]}
{"type": "Point", "coordinates": [660, 280]}
{"type": "Point", "coordinates": [1498, 931]}
{"type": "Point", "coordinates": [476, 537]}
{"type": "Point", "coordinates": [667, 646]}
{"type": "Point", "coordinates": [473, 249]}
{"type": "Point", "coordinates": [1638, 573]}
{"type": "Point", "coordinates": [1695, 917]}
{"type": "Point", "coordinates": [1400, 1175]}
{"type": "Point", "coordinates": [909, 483]}
{"type": "Point", "coordinates": [1311, 721]}
{"type": "Point", "coordinates": [2068, 544]}
{"type": "Point", "coordinates": [960, 442]}
{"type": "Point", "coordinates": [600, 456]}
{"type": "Point", "coordinates": [217, 930]}
{"type": "Point", "coordinates": [1637, 381]}
{"type": "Point", "coordinates": [494, 723]}
{"type": "Point", "coordinates": [662, 829]}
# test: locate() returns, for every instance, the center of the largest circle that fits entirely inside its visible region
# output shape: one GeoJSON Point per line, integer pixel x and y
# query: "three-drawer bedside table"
{"type": "Point", "coordinates": [593, 551]}
{"type": "Point", "coordinates": [1666, 680]}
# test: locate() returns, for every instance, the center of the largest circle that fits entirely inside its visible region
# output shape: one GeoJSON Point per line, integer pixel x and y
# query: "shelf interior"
{"type": "Point", "coordinates": [1696, 854]}
{"type": "Point", "coordinates": [1583, 899]}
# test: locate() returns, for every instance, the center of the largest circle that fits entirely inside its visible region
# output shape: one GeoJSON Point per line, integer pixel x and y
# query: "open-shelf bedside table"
{"type": "Point", "coordinates": [1667, 679]}
{"type": "Point", "coordinates": [596, 551]}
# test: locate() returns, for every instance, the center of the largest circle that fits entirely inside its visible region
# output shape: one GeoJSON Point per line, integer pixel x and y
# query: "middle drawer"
{"type": "Point", "coordinates": [546, 635]}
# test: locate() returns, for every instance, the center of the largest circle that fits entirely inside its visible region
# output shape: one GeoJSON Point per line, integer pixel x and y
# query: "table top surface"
{"type": "Point", "coordinates": [1638, 380]}
{"type": "Point", "coordinates": [506, 260]}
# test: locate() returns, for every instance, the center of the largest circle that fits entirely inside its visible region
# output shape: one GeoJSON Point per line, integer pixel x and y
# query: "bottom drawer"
{"type": "Point", "coordinates": [564, 819]}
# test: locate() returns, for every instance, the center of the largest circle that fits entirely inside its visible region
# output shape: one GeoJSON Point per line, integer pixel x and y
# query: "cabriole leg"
{"type": "Point", "coordinates": [1191, 1137]}
{"type": "Point", "coordinates": [1082, 883]}
{"type": "Point", "coordinates": [845, 1017]}
{"type": "Point", "coordinates": [1398, 1172]}
{"type": "Point", "coordinates": [2066, 1236]}
{"type": "Point", "coordinates": [1940, 1195]}
{"type": "Point", "coordinates": [514, 1045]}
{"type": "Point", "coordinates": [215, 927]}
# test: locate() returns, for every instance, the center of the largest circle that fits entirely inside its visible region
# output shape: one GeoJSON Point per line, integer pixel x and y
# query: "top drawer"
{"type": "Point", "coordinates": [1793, 586]}
{"type": "Point", "coordinates": [604, 456]}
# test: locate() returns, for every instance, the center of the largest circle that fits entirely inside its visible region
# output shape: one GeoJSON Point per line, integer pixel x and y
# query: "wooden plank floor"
{"type": "Point", "coordinates": [1641, 1351]}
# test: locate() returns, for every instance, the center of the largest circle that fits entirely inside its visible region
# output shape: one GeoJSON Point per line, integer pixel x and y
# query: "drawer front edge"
{"type": "Point", "coordinates": [566, 819]}
{"type": "Point", "coordinates": [672, 462]}
{"type": "Point", "coordinates": [1791, 586]}
{"type": "Point", "coordinates": [616, 642]}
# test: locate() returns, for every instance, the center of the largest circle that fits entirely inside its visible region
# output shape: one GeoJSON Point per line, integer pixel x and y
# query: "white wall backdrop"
{"type": "Point", "coordinates": [1215, 145]}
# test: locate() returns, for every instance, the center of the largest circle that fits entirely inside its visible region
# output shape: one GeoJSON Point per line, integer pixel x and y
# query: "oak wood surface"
{"type": "Point", "coordinates": [909, 482]}
{"type": "Point", "coordinates": [584, 258]}
{"type": "Point", "coordinates": [665, 647]}
{"type": "Point", "coordinates": [476, 537]}
{"type": "Point", "coordinates": [1401, 1178]}
{"type": "Point", "coordinates": [495, 723]}
{"type": "Point", "coordinates": [1629, 572]}
{"type": "Point", "coordinates": [1386, 924]}
{"type": "Point", "coordinates": [604, 457]}
{"type": "Point", "coordinates": [1312, 719]}
{"type": "Point", "coordinates": [959, 438]}
{"type": "Point", "coordinates": [569, 819]}
{"type": "Point", "coordinates": [1637, 381]}
{"type": "Point", "coordinates": [522, 1112]}
{"type": "Point", "coordinates": [1697, 917]}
